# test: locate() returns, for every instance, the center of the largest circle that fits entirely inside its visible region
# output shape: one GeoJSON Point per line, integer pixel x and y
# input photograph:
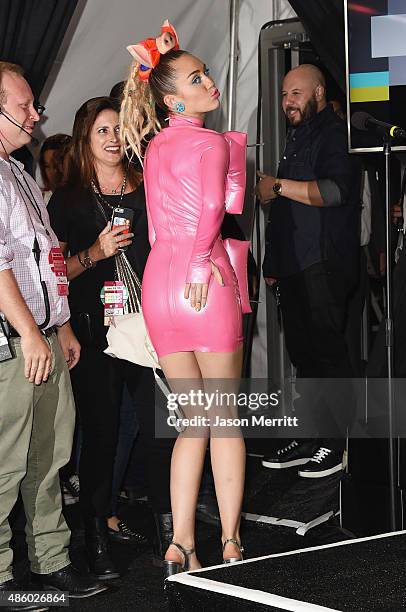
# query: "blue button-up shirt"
{"type": "Point", "coordinates": [299, 235]}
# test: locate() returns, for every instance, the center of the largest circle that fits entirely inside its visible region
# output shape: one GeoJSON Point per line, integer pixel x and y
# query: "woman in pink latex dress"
{"type": "Point", "coordinates": [190, 295]}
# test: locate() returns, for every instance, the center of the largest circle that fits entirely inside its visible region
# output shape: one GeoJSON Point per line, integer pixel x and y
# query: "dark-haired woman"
{"type": "Point", "coordinates": [98, 180]}
{"type": "Point", "coordinates": [52, 163]}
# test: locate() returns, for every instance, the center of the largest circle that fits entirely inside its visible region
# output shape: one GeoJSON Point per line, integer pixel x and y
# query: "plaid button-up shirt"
{"type": "Point", "coordinates": [18, 220]}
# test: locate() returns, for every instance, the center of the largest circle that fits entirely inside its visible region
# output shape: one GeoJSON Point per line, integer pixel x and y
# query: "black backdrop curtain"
{"type": "Point", "coordinates": [31, 33]}
{"type": "Point", "coordinates": [324, 22]}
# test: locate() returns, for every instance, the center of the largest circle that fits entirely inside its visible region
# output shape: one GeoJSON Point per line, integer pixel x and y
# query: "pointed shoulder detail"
{"type": "Point", "coordinates": [236, 176]}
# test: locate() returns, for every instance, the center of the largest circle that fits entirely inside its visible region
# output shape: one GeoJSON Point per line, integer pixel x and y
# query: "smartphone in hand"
{"type": "Point", "coordinates": [122, 218]}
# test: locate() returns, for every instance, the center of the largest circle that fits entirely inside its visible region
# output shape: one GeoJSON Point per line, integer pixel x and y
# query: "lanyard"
{"type": "Point", "coordinates": [99, 198]}
{"type": "Point", "coordinates": [30, 196]}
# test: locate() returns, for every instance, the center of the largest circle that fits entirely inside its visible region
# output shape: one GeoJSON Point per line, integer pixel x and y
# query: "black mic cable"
{"type": "Point", "coordinates": [30, 195]}
{"type": "Point", "coordinates": [37, 254]}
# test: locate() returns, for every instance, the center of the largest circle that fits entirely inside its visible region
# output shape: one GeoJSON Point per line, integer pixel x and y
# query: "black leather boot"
{"type": "Point", "coordinates": [68, 579]}
{"type": "Point", "coordinates": [97, 547]}
{"type": "Point", "coordinates": [162, 538]}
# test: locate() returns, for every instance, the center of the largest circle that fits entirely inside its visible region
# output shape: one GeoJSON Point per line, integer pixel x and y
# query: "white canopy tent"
{"type": "Point", "coordinates": [93, 57]}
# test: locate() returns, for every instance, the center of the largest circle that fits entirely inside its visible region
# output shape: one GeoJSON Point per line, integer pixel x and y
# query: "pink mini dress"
{"type": "Point", "coordinates": [192, 176]}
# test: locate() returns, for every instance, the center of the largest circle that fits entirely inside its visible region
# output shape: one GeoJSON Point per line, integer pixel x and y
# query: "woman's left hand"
{"type": "Point", "coordinates": [198, 291]}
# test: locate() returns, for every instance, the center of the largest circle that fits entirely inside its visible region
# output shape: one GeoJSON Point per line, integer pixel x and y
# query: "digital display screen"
{"type": "Point", "coordinates": [376, 67]}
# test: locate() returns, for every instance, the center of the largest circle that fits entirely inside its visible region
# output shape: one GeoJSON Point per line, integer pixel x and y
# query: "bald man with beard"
{"type": "Point", "coordinates": [311, 252]}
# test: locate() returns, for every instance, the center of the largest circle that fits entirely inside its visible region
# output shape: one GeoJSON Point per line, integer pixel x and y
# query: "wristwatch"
{"type": "Point", "coordinates": [86, 262]}
{"type": "Point", "coordinates": [277, 188]}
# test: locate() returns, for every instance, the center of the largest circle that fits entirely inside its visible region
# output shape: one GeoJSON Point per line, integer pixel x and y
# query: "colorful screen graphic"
{"type": "Point", "coordinates": [376, 66]}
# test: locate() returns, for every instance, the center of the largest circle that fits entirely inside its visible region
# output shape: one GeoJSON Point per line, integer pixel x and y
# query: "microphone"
{"type": "Point", "coordinates": [365, 122]}
{"type": "Point", "coordinates": [34, 140]}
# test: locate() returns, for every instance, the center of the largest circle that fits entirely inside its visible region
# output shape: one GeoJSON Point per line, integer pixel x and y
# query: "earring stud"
{"type": "Point", "coordinates": [180, 107]}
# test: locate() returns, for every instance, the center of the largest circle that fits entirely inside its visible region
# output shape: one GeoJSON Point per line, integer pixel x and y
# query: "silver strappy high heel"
{"type": "Point", "coordinates": [173, 567]}
{"type": "Point", "coordinates": [241, 549]}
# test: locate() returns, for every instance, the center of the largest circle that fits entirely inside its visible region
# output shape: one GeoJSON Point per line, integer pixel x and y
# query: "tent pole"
{"type": "Point", "coordinates": [233, 69]}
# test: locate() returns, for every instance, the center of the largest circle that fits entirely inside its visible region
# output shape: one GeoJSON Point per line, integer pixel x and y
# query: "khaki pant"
{"type": "Point", "coordinates": [36, 430]}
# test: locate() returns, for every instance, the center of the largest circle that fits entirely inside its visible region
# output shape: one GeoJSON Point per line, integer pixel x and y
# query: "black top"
{"type": "Point", "coordinates": [77, 220]}
{"type": "Point", "coordinates": [298, 235]}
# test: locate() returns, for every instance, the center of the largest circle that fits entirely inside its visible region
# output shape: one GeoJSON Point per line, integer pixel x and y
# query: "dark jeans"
{"type": "Point", "coordinates": [98, 382]}
{"type": "Point", "coordinates": [314, 306]}
{"type": "Point", "coordinates": [127, 436]}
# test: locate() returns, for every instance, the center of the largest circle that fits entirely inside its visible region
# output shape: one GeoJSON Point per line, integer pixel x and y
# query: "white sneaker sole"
{"type": "Point", "coordinates": [333, 470]}
{"type": "Point", "coordinates": [286, 464]}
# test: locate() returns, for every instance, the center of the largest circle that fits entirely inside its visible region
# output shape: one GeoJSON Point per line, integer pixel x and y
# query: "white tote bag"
{"type": "Point", "coordinates": [127, 336]}
{"type": "Point", "coordinates": [128, 339]}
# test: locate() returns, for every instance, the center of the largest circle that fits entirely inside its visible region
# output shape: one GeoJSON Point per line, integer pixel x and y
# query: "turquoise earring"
{"type": "Point", "coordinates": [180, 107]}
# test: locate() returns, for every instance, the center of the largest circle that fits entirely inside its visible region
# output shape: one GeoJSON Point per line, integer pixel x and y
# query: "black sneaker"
{"type": "Point", "coordinates": [291, 455]}
{"type": "Point", "coordinates": [324, 462]}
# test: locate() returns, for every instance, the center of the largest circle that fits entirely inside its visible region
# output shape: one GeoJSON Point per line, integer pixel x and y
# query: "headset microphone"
{"type": "Point", "coordinates": [34, 140]}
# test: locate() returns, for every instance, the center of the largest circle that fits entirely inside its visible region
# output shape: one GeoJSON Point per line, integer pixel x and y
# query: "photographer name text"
{"type": "Point", "coordinates": [252, 421]}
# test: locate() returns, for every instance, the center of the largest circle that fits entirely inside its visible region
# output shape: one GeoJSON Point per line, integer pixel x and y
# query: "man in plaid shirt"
{"type": "Point", "coordinates": [37, 411]}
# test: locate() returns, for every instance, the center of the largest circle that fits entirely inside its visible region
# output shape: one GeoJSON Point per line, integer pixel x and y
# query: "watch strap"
{"type": "Point", "coordinates": [86, 262]}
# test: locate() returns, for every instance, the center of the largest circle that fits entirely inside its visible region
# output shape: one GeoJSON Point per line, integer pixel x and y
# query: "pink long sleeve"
{"type": "Point", "coordinates": [151, 229]}
{"type": "Point", "coordinates": [235, 184]}
{"type": "Point", "coordinates": [213, 172]}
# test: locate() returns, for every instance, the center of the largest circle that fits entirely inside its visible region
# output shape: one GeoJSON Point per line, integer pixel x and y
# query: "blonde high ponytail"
{"type": "Point", "coordinates": [138, 116]}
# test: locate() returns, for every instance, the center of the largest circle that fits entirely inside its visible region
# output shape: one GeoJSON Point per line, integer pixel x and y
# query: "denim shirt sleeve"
{"type": "Point", "coordinates": [334, 167]}
{"type": "Point", "coordinates": [329, 192]}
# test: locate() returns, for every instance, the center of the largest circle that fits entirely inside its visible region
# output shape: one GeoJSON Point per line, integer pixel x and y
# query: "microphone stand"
{"type": "Point", "coordinates": [387, 141]}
